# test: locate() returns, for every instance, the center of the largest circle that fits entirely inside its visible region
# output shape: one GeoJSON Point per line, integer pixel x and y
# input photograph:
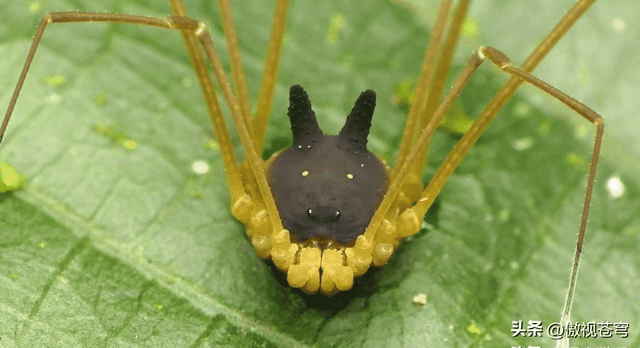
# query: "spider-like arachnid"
{"type": "Point", "coordinates": [378, 252]}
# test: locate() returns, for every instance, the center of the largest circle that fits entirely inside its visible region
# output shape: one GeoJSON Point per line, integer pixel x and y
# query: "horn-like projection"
{"type": "Point", "coordinates": [327, 187]}
{"type": "Point", "coordinates": [356, 128]}
{"type": "Point", "coordinates": [304, 125]}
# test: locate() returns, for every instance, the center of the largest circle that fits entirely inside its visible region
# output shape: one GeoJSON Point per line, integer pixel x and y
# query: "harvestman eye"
{"type": "Point", "coordinates": [326, 209]}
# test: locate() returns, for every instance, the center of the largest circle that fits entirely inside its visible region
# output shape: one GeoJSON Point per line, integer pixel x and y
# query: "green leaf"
{"type": "Point", "coordinates": [10, 179]}
{"type": "Point", "coordinates": [113, 246]}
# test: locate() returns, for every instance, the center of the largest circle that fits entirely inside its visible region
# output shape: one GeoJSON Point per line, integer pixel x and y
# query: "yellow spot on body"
{"type": "Point", "coordinates": [350, 176]}
{"type": "Point", "coordinates": [159, 306]}
{"type": "Point", "coordinates": [54, 80]}
{"type": "Point", "coordinates": [42, 244]}
{"type": "Point", "coordinates": [305, 173]}
{"type": "Point", "coordinates": [336, 25]}
{"type": "Point", "coordinates": [419, 299]}
{"type": "Point", "coordinates": [34, 7]}
{"type": "Point", "coordinates": [616, 187]}
{"type": "Point", "coordinates": [14, 276]}
{"type": "Point", "coordinates": [474, 329]}
{"type": "Point", "coordinates": [63, 280]}
{"type": "Point", "coordinates": [469, 27]}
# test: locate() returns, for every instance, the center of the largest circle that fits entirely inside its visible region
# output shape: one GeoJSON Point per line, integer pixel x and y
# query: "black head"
{"type": "Point", "coordinates": [327, 186]}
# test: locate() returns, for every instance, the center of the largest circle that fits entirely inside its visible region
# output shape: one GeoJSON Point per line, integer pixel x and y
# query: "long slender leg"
{"type": "Point", "coordinates": [260, 223]}
{"type": "Point", "coordinates": [424, 80]}
{"type": "Point", "coordinates": [241, 204]}
{"type": "Point", "coordinates": [485, 118]}
{"type": "Point", "coordinates": [71, 17]}
{"type": "Point", "coordinates": [237, 69]}
{"type": "Point", "coordinates": [444, 172]}
{"type": "Point", "coordinates": [175, 23]}
{"type": "Point", "coordinates": [272, 61]}
{"type": "Point", "coordinates": [519, 75]}
{"type": "Point", "coordinates": [442, 70]}
{"type": "Point", "coordinates": [396, 185]}
{"type": "Point", "coordinates": [255, 161]}
{"type": "Point", "coordinates": [269, 78]}
{"type": "Point", "coordinates": [273, 240]}
{"type": "Point", "coordinates": [427, 96]}
{"type": "Point", "coordinates": [409, 220]}
{"type": "Point", "coordinates": [279, 246]}
{"type": "Point", "coordinates": [503, 63]}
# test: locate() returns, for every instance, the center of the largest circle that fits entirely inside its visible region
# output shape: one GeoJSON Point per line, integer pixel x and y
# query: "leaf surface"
{"type": "Point", "coordinates": [112, 246]}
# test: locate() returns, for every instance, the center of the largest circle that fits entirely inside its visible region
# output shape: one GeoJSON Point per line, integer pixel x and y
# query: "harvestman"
{"type": "Point", "coordinates": [326, 244]}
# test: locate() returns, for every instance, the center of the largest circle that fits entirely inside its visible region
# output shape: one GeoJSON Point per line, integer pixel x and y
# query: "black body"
{"type": "Point", "coordinates": [327, 186]}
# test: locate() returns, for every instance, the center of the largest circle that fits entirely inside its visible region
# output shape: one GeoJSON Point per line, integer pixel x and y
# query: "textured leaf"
{"type": "Point", "coordinates": [118, 245]}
